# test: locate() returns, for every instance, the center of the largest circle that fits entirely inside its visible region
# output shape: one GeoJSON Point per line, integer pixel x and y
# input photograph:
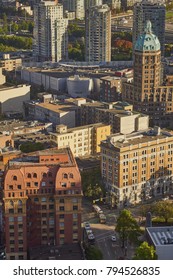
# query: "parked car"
{"type": "Point", "coordinates": [113, 238]}
{"type": "Point", "coordinates": [86, 225]}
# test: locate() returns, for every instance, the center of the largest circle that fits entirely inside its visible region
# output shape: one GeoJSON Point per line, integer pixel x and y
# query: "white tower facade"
{"type": "Point", "coordinates": [98, 34]}
{"type": "Point", "coordinates": [50, 32]}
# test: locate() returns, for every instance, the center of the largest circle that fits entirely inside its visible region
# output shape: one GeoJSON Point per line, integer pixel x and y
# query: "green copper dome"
{"type": "Point", "coordinates": [147, 41]}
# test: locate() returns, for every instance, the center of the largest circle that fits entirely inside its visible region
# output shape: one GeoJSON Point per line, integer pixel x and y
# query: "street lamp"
{"type": "Point", "coordinates": [163, 187]}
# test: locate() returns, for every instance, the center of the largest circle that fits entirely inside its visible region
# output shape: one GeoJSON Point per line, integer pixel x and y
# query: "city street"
{"type": "Point", "coordinates": [103, 232]}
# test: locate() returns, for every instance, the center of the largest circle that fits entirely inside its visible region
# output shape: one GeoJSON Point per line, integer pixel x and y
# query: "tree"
{"type": "Point", "coordinates": [164, 209]}
{"type": "Point", "coordinates": [127, 227]}
{"type": "Point", "coordinates": [145, 252]}
{"type": "Point", "coordinates": [93, 253]}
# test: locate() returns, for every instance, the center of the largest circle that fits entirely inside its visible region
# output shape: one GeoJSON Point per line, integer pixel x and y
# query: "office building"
{"type": "Point", "coordinates": [91, 3]}
{"type": "Point", "coordinates": [110, 89]}
{"type": "Point", "coordinates": [98, 35]}
{"type": "Point", "coordinates": [76, 6]}
{"type": "Point", "coordinates": [50, 32]}
{"type": "Point", "coordinates": [42, 202]}
{"type": "Point", "coordinates": [82, 140]}
{"type": "Point", "coordinates": [119, 115]}
{"type": "Point", "coordinates": [114, 4]}
{"type": "Point", "coordinates": [153, 11]}
{"type": "Point", "coordinates": [147, 92]}
{"type": "Point", "coordinates": [137, 166]}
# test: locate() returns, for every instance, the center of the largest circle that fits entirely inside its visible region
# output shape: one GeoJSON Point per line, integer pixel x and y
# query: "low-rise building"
{"type": "Point", "coordinates": [10, 64]}
{"type": "Point", "coordinates": [6, 141]}
{"type": "Point", "coordinates": [137, 166]}
{"type": "Point", "coordinates": [162, 240]}
{"type": "Point", "coordinates": [110, 89]}
{"type": "Point", "coordinates": [83, 140]}
{"type": "Point", "coordinates": [119, 115]}
{"type": "Point", "coordinates": [12, 98]}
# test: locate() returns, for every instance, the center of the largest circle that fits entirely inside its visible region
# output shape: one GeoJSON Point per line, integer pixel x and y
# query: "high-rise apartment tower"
{"type": "Point", "coordinates": [50, 32]}
{"type": "Point", "coordinates": [98, 34]}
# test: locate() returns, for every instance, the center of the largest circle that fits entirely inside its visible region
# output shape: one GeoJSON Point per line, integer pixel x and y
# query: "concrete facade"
{"type": "Point", "coordinates": [12, 98]}
{"type": "Point", "coordinates": [119, 115]}
{"type": "Point", "coordinates": [98, 35]}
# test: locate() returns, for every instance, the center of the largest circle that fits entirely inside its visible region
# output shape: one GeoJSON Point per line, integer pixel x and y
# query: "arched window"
{"type": "Point", "coordinates": [35, 175]}
{"type": "Point", "coordinates": [15, 178]}
{"type": "Point", "coordinates": [29, 175]}
{"type": "Point", "coordinates": [44, 175]}
{"type": "Point", "coordinates": [71, 175]}
{"type": "Point", "coordinates": [65, 175]}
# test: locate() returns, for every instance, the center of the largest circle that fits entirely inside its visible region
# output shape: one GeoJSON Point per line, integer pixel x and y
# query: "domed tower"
{"type": "Point", "coordinates": [147, 92]}
{"type": "Point", "coordinates": [147, 67]}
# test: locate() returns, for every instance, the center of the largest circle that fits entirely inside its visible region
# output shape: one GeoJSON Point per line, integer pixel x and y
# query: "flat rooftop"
{"type": "Point", "coordinates": [65, 158]}
{"type": "Point", "coordinates": [57, 107]}
{"type": "Point", "coordinates": [161, 235]}
{"type": "Point", "coordinates": [136, 138]}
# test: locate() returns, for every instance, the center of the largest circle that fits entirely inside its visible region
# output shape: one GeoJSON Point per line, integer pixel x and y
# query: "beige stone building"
{"type": "Point", "coordinates": [137, 166]}
{"type": "Point", "coordinates": [9, 64]}
{"type": "Point", "coordinates": [83, 140]}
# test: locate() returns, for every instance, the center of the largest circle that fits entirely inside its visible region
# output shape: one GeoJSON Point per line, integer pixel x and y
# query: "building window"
{"type": "Point", "coordinates": [34, 175]}
{"type": "Point", "coordinates": [63, 185]}
{"type": "Point", "coordinates": [75, 216]}
{"type": "Point", "coordinates": [61, 231]}
{"type": "Point", "coordinates": [15, 178]}
{"type": "Point", "coordinates": [61, 200]}
{"type": "Point", "coordinates": [20, 257]}
{"type": "Point", "coordinates": [65, 176]}
{"type": "Point", "coordinates": [49, 174]}
{"type": "Point", "coordinates": [44, 175]}
{"type": "Point", "coordinates": [29, 175]}
{"type": "Point", "coordinates": [19, 187]}
{"type": "Point", "coordinates": [28, 184]}
{"type": "Point", "coordinates": [61, 216]}
{"type": "Point", "coordinates": [10, 187]}
{"type": "Point", "coordinates": [43, 199]}
{"type": "Point", "coordinates": [61, 208]}
{"type": "Point", "coordinates": [19, 218]}
{"type": "Point", "coordinates": [73, 184]}
{"type": "Point", "coordinates": [11, 219]}
{"type": "Point", "coordinates": [75, 207]}
{"type": "Point", "coordinates": [71, 175]}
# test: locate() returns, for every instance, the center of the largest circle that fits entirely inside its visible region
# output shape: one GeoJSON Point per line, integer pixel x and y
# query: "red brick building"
{"type": "Point", "coordinates": [42, 202]}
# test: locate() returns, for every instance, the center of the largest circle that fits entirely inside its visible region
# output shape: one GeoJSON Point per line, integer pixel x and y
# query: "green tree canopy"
{"type": "Point", "coordinates": [127, 227]}
{"type": "Point", "coordinates": [145, 252]}
{"type": "Point", "coordinates": [163, 209]}
{"type": "Point", "coordinates": [93, 253]}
